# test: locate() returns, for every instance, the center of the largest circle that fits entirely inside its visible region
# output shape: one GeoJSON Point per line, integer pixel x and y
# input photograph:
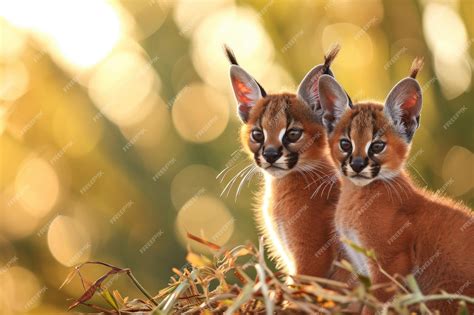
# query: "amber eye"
{"type": "Point", "coordinates": [377, 147]}
{"type": "Point", "coordinates": [345, 145]}
{"type": "Point", "coordinates": [257, 135]}
{"type": "Point", "coordinates": [294, 134]}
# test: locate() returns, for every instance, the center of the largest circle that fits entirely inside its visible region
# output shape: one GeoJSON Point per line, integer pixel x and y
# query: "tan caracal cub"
{"type": "Point", "coordinates": [410, 229]}
{"type": "Point", "coordinates": [284, 135]}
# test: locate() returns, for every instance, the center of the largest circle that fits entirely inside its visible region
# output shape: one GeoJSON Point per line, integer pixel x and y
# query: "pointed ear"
{"type": "Point", "coordinates": [246, 89]}
{"type": "Point", "coordinates": [334, 101]}
{"type": "Point", "coordinates": [403, 107]}
{"type": "Point", "coordinates": [308, 90]}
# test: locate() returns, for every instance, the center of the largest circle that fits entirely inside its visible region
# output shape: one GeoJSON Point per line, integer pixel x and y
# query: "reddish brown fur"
{"type": "Point", "coordinates": [285, 137]}
{"type": "Point", "coordinates": [305, 222]}
{"type": "Point", "coordinates": [432, 233]}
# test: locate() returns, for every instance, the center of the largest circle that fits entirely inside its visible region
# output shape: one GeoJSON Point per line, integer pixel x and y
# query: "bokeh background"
{"type": "Point", "coordinates": [117, 116]}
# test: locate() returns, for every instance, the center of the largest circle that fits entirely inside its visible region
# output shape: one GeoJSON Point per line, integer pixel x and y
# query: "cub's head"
{"type": "Point", "coordinates": [370, 141]}
{"type": "Point", "coordinates": [281, 132]}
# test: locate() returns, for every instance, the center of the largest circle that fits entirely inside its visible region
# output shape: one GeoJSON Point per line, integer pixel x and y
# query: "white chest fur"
{"type": "Point", "coordinates": [358, 260]}
{"type": "Point", "coordinates": [271, 229]}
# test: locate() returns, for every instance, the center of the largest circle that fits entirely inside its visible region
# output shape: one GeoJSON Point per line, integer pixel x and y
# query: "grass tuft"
{"type": "Point", "coordinates": [239, 281]}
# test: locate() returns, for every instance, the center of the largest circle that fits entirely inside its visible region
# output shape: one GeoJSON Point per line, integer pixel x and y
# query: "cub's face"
{"type": "Point", "coordinates": [282, 132]}
{"type": "Point", "coordinates": [369, 141]}
{"type": "Point", "coordinates": [365, 146]}
{"type": "Point", "coordinates": [282, 135]}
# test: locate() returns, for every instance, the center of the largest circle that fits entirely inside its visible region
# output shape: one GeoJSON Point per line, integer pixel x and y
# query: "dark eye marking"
{"type": "Point", "coordinates": [257, 135]}
{"type": "Point", "coordinates": [292, 159]}
{"type": "Point", "coordinates": [256, 157]}
{"type": "Point", "coordinates": [293, 135]}
{"type": "Point", "coordinates": [374, 171]}
{"type": "Point", "coordinates": [345, 145]}
{"type": "Point", "coordinates": [377, 147]}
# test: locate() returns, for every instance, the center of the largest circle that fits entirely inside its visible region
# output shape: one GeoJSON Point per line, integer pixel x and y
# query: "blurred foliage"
{"type": "Point", "coordinates": [117, 116]}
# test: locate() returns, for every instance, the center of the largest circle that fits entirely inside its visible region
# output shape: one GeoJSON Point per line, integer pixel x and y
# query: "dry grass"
{"type": "Point", "coordinates": [239, 281]}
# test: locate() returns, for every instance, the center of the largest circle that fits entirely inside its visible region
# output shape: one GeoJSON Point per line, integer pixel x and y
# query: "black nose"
{"type": "Point", "coordinates": [271, 154]}
{"type": "Point", "coordinates": [358, 164]}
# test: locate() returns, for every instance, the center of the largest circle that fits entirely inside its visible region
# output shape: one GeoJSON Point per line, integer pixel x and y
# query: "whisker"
{"type": "Point", "coordinates": [303, 174]}
{"type": "Point", "coordinates": [328, 185]}
{"type": "Point", "coordinates": [387, 188]}
{"type": "Point", "coordinates": [398, 182]}
{"type": "Point", "coordinates": [321, 175]}
{"type": "Point", "coordinates": [226, 170]}
{"type": "Point", "coordinates": [419, 174]}
{"type": "Point", "coordinates": [323, 181]}
{"type": "Point", "coordinates": [234, 179]}
{"type": "Point", "coordinates": [257, 171]}
{"type": "Point", "coordinates": [306, 170]}
{"type": "Point", "coordinates": [243, 181]}
{"type": "Point", "coordinates": [390, 183]}
{"type": "Point", "coordinates": [326, 179]}
{"type": "Point", "coordinates": [334, 180]}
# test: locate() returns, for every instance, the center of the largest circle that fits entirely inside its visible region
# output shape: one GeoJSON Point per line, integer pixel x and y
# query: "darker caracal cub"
{"type": "Point", "coordinates": [410, 229]}
{"type": "Point", "coordinates": [284, 135]}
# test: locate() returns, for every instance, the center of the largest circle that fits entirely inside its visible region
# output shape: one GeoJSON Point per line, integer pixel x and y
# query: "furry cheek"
{"type": "Point", "coordinates": [340, 160]}
{"type": "Point", "coordinates": [249, 146]}
{"type": "Point", "coordinates": [309, 146]}
{"type": "Point", "coordinates": [392, 158]}
{"type": "Point", "coordinates": [299, 146]}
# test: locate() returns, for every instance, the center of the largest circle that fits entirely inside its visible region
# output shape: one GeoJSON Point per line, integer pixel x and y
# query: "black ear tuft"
{"type": "Point", "coordinates": [308, 90]}
{"type": "Point", "coordinates": [416, 67]}
{"type": "Point", "coordinates": [230, 55]}
{"type": "Point", "coordinates": [233, 61]}
{"type": "Point", "coordinates": [329, 58]}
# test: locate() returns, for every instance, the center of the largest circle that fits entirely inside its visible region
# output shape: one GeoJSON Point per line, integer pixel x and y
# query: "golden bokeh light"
{"type": "Point", "coordinates": [444, 31]}
{"type": "Point", "coordinates": [358, 48]}
{"type": "Point", "coordinates": [447, 38]}
{"type": "Point", "coordinates": [242, 30]}
{"type": "Point", "coordinates": [69, 133]}
{"type": "Point", "coordinates": [457, 170]}
{"type": "Point", "coordinates": [149, 15]}
{"type": "Point", "coordinates": [60, 26]}
{"type": "Point", "coordinates": [200, 113]}
{"type": "Point", "coordinates": [183, 73]}
{"type": "Point", "coordinates": [14, 13]}
{"type": "Point", "coordinates": [151, 130]}
{"type": "Point", "coordinates": [277, 79]}
{"type": "Point", "coordinates": [454, 75]}
{"type": "Point", "coordinates": [354, 12]}
{"type": "Point", "coordinates": [37, 186]}
{"type": "Point", "coordinates": [4, 112]}
{"type": "Point", "coordinates": [85, 44]}
{"type": "Point", "coordinates": [20, 291]}
{"type": "Point", "coordinates": [16, 222]}
{"type": "Point", "coordinates": [15, 79]}
{"type": "Point", "coordinates": [191, 182]}
{"type": "Point", "coordinates": [12, 41]}
{"type": "Point", "coordinates": [189, 13]}
{"type": "Point", "coordinates": [68, 241]}
{"type": "Point", "coordinates": [206, 217]}
{"type": "Point", "coordinates": [124, 87]}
